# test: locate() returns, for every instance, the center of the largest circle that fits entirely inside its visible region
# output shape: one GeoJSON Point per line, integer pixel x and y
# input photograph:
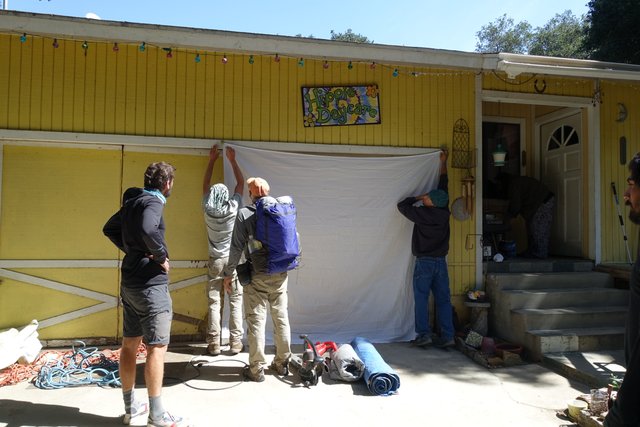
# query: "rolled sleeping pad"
{"type": "Point", "coordinates": [345, 365]}
{"type": "Point", "coordinates": [380, 378]}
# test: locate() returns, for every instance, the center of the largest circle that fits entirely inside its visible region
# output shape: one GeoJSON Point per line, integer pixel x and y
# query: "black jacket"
{"type": "Point", "coordinates": [431, 225]}
{"type": "Point", "coordinates": [137, 229]}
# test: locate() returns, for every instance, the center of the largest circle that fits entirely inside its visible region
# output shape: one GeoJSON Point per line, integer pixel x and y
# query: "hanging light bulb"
{"type": "Point", "coordinates": [224, 59]}
{"type": "Point", "coordinates": [350, 66]}
{"type": "Point", "coordinates": [85, 47]}
{"type": "Point", "coordinates": [55, 43]}
{"type": "Point", "coordinates": [23, 38]}
{"type": "Point", "coordinates": [277, 58]}
{"type": "Point", "coordinates": [251, 59]}
{"type": "Point", "coordinates": [395, 73]}
{"type": "Point", "coordinates": [142, 47]}
{"type": "Point", "coordinates": [325, 65]}
{"type": "Point", "coordinates": [301, 62]}
{"type": "Point", "coordinates": [116, 47]}
{"type": "Point", "coordinates": [372, 66]}
{"type": "Point", "coordinates": [169, 52]}
{"type": "Point", "coordinates": [197, 58]}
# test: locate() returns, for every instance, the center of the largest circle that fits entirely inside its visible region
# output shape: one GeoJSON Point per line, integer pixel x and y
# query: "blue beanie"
{"type": "Point", "coordinates": [440, 198]}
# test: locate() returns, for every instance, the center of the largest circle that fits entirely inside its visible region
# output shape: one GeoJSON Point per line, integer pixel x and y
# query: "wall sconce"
{"type": "Point", "coordinates": [499, 155]}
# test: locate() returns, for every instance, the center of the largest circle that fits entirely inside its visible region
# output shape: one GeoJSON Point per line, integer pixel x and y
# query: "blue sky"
{"type": "Point", "coordinates": [424, 23]}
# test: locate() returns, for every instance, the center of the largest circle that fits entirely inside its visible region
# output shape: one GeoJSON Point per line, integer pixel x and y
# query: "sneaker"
{"type": "Point", "coordinates": [422, 341]}
{"type": "Point", "coordinates": [167, 420]}
{"type": "Point", "coordinates": [138, 408]}
{"type": "Point", "coordinates": [213, 349]}
{"type": "Point", "coordinates": [236, 347]}
{"type": "Point", "coordinates": [249, 376]}
{"type": "Point", "coordinates": [282, 370]}
{"type": "Point", "coordinates": [444, 343]}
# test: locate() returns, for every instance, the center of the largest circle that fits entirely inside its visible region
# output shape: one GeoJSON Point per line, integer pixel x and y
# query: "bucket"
{"type": "Point", "coordinates": [508, 248]}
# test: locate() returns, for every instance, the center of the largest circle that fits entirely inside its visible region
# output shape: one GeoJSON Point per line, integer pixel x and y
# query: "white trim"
{"type": "Point", "coordinates": [78, 263]}
{"type": "Point", "coordinates": [535, 99]}
{"type": "Point", "coordinates": [479, 189]}
{"type": "Point", "coordinates": [57, 286]}
{"type": "Point", "coordinates": [76, 314]}
{"type": "Point", "coordinates": [595, 227]}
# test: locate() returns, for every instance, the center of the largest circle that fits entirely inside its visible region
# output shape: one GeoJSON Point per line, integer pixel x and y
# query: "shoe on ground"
{"type": "Point", "coordinates": [167, 420]}
{"type": "Point", "coordinates": [422, 341]}
{"type": "Point", "coordinates": [236, 347]}
{"type": "Point", "coordinates": [213, 349]}
{"type": "Point", "coordinates": [444, 342]}
{"type": "Point", "coordinates": [249, 376]}
{"type": "Point", "coordinates": [138, 408]}
{"type": "Point", "coordinates": [282, 370]}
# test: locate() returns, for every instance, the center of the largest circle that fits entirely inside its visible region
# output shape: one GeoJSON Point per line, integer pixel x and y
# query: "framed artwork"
{"type": "Point", "coordinates": [340, 105]}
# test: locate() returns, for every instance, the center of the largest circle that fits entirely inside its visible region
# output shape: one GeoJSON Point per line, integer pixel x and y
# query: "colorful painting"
{"type": "Point", "coordinates": [340, 105]}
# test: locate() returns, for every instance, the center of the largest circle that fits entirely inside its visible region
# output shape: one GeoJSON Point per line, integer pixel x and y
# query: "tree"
{"type": "Point", "coordinates": [613, 33]}
{"type": "Point", "coordinates": [350, 36]}
{"type": "Point", "coordinates": [503, 35]}
{"type": "Point", "coordinates": [562, 36]}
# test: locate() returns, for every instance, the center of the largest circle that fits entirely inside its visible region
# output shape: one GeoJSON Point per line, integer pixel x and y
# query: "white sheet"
{"type": "Point", "coordinates": [355, 278]}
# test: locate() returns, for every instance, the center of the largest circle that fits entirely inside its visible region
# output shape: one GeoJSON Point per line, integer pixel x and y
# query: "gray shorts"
{"type": "Point", "coordinates": [147, 313]}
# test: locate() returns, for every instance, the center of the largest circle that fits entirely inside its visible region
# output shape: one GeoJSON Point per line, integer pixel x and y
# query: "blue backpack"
{"type": "Point", "coordinates": [276, 230]}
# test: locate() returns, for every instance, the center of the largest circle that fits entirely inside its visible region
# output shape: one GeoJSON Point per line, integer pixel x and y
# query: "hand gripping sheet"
{"type": "Point", "coordinates": [379, 377]}
{"type": "Point", "coordinates": [345, 365]}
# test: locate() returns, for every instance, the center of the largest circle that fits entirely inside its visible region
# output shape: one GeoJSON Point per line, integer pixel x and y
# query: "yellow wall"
{"type": "Point", "coordinates": [613, 248]}
{"type": "Point", "coordinates": [129, 92]}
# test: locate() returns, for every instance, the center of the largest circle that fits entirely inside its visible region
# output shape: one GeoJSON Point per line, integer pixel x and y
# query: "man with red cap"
{"type": "Point", "coordinates": [265, 290]}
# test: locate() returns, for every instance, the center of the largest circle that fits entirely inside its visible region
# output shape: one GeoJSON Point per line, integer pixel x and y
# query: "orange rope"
{"type": "Point", "coordinates": [16, 373]}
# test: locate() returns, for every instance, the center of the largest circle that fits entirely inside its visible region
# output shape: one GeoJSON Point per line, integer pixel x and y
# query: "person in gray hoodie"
{"type": "Point", "coordinates": [219, 215]}
{"type": "Point", "coordinates": [137, 229]}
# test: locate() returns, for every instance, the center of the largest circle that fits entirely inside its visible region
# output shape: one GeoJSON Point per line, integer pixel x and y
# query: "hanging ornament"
{"type": "Point", "coordinates": [142, 47]}
{"type": "Point", "coordinates": [350, 66]}
{"type": "Point", "coordinates": [224, 59]}
{"type": "Point", "coordinates": [325, 65]}
{"type": "Point", "coordinates": [55, 43]}
{"type": "Point", "coordinates": [85, 47]}
{"type": "Point", "coordinates": [115, 47]}
{"type": "Point", "coordinates": [23, 38]}
{"type": "Point", "coordinates": [251, 59]}
{"type": "Point", "coordinates": [277, 58]}
{"type": "Point", "coordinates": [301, 62]}
{"type": "Point", "coordinates": [372, 66]}
{"type": "Point", "coordinates": [197, 58]}
{"type": "Point", "coordinates": [169, 52]}
{"type": "Point", "coordinates": [395, 73]}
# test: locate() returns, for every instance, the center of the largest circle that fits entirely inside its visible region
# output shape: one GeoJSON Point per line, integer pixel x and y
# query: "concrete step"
{"type": "Point", "coordinates": [500, 281]}
{"type": "Point", "coordinates": [526, 319]}
{"type": "Point", "coordinates": [595, 369]}
{"type": "Point", "coordinates": [550, 265]}
{"type": "Point", "coordinates": [541, 341]}
{"type": "Point", "coordinates": [571, 297]}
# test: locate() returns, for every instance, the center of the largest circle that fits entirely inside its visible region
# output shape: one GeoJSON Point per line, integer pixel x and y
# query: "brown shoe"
{"type": "Point", "coordinates": [249, 376]}
{"type": "Point", "coordinates": [282, 370]}
{"type": "Point", "coordinates": [236, 347]}
{"type": "Point", "coordinates": [213, 349]}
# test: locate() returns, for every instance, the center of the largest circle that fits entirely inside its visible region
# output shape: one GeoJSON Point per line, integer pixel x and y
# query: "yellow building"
{"type": "Point", "coordinates": [85, 105]}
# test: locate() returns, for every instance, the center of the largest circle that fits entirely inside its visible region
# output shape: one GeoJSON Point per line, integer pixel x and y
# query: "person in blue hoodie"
{"type": "Point", "coordinates": [430, 214]}
{"type": "Point", "coordinates": [138, 229]}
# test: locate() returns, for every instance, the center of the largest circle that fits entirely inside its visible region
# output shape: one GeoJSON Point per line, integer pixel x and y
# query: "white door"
{"type": "Point", "coordinates": [561, 171]}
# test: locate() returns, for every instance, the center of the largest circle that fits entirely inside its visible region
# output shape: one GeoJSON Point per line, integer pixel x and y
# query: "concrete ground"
{"type": "Point", "coordinates": [437, 388]}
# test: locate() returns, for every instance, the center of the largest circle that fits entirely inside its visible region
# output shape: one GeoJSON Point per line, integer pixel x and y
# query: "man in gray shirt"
{"type": "Point", "coordinates": [220, 214]}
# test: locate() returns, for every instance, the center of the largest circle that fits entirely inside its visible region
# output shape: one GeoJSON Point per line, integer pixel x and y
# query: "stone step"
{"type": "Point", "coordinates": [501, 281]}
{"type": "Point", "coordinates": [566, 297]}
{"type": "Point", "coordinates": [526, 319]}
{"type": "Point", "coordinates": [595, 369]}
{"type": "Point", "coordinates": [550, 265]}
{"type": "Point", "coordinates": [541, 341]}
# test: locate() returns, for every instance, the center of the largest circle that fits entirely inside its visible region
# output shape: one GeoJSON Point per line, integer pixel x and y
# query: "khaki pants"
{"type": "Point", "coordinates": [267, 290]}
{"type": "Point", "coordinates": [216, 294]}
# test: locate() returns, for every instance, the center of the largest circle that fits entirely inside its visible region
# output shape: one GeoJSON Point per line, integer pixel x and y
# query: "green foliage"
{"type": "Point", "coordinates": [563, 36]}
{"type": "Point", "coordinates": [503, 35]}
{"type": "Point", "coordinates": [613, 33]}
{"type": "Point", "coordinates": [350, 36]}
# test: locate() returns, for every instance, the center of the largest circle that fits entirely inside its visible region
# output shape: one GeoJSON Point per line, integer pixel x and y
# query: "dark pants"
{"type": "Point", "coordinates": [626, 409]}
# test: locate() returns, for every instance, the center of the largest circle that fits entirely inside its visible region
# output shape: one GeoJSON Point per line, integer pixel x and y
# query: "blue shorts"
{"type": "Point", "coordinates": [147, 313]}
